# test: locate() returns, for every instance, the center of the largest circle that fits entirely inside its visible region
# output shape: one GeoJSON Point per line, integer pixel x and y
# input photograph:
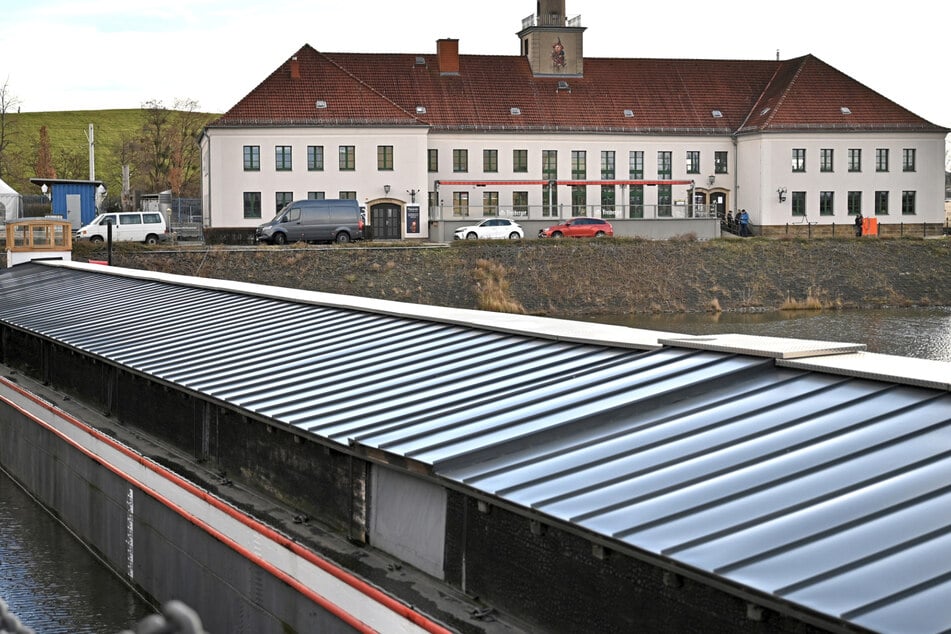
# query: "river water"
{"type": "Point", "coordinates": [50, 581]}
{"type": "Point", "coordinates": [56, 586]}
{"type": "Point", "coordinates": [923, 333]}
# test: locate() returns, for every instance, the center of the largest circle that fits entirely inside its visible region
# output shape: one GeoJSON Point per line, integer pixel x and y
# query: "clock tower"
{"type": "Point", "coordinates": [551, 42]}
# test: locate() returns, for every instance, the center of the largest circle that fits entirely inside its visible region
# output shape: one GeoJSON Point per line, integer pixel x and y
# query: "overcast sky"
{"type": "Point", "coordinates": [102, 54]}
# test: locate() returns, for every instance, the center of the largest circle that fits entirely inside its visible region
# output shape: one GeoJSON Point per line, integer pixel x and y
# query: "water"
{"type": "Point", "coordinates": [50, 581]}
{"type": "Point", "coordinates": [923, 333]}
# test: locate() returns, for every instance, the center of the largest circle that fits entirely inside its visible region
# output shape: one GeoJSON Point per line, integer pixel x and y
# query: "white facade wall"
{"type": "Point", "coordinates": [757, 165]}
{"type": "Point", "coordinates": [565, 144]}
{"type": "Point", "coordinates": [765, 166]}
{"type": "Point", "coordinates": [225, 180]}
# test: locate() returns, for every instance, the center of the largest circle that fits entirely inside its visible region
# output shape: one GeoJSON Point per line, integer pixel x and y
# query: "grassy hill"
{"type": "Point", "coordinates": [69, 145]}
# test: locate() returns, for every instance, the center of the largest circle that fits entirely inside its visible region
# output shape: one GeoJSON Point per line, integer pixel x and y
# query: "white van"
{"type": "Point", "coordinates": [135, 226]}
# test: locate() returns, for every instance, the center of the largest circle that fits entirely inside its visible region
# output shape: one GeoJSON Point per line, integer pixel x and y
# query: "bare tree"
{"type": "Point", "coordinates": [43, 166]}
{"type": "Point", "coordinates": [186, 156]}
{"type": "Point", "coordinates": [8, 102]}
{"type": "Point", "coordinates": [156, 148]}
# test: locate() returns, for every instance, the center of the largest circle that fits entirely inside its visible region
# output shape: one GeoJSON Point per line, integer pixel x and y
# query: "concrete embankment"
{"type": "Point", "coordinates": [573, 278]}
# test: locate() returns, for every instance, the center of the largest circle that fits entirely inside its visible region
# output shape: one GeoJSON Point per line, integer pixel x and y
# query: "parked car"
{"type": "Point", "coordinates": [324, 220]}
{"type": "Point", "coordinates": [579, 228]}
{"type": "Point", "coordinates": [135, 226]}
{"type": "Point", "coordinates": [490, 228]}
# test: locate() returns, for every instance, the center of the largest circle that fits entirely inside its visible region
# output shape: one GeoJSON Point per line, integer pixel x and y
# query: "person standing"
{"type": "Point", "coordinates": [744, 220]}
{"type": "Point", "coordinates": [858, 225]}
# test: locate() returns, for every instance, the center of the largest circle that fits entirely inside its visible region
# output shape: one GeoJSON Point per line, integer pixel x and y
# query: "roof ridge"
{"type": "Point", "coordinates": [330, 60]}
{"type": "Point", "coordinates": [781, 99]}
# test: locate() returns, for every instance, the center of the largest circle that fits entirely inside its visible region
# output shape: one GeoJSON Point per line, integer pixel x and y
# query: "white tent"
{"type": "Point", "coordinates": [9, 203]}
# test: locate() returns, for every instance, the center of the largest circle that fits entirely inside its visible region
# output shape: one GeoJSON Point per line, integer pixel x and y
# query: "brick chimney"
{"type": "Point", "coordinates": [295, 68]}
{"type": "Point", "coordinates": [447, 54]}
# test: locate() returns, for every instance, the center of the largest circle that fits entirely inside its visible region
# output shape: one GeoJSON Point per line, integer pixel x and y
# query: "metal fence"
{"type": "Point", "coordinates": [448, 212]}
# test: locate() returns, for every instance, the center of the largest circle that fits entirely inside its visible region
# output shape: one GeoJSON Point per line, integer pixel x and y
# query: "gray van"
{"type": "Point", "coordinates": [328, 220]}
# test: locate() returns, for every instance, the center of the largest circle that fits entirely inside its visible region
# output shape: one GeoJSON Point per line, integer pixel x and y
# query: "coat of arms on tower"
{"type": "Point", "coordinates": [558, 54]}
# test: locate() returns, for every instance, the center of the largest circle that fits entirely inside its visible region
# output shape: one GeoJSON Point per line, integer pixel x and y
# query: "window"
{"type": "Point", "coordinates": [490, 203]}
{"type": "Point", "coordinates": [315, 158]}
{"type": "Point", "coordinates": [799, 203]}
{"type": "Point", "coordinates": [281, 200]}
{"type": "Point", "coordinates": [636, 201]}
{"type": "Point", "coordinates": [636, 165]}
{"type": "Point", "coordinates": [908, 160]}
{"type": "Point", "coordinates": [347, 195]}
{"type": "Point", "coordinates": [252, 204]}
{"type": "Point", "coordinates": [607, 201]}
{"type": "Point", "coordinates": [908, 203]}
{"type": "Point", "coordinates": [826, 203]}
{"type": "Point", "coordinates": [855, 160]}
{"type": "Point", "coordinates": [825, 160]}
{"type": "Point", "coordinates": [460, 160]}
{"type": "Point", "coordinates": [579, 169]}
{"type": "Point", "coordinates": [607, 165]}
{"type": "Point", "coordinates": [664, 165]}
{"type": "Point", "coordinates": [665, 197]}
{"type": "Point", "coordinates": [519, 160]}
{"type": "Point", "coordinates": [549, 173]}
{"type": "Point", "coordinates": [460, 203]}
{"type": "Point", "coordinates": [316, 195]}
{"type": "Point", "coordinates": [881, 160]}
{"type": "Point", "coordinates": [799, 159]}
{"type": "Point", "coordinates": [881, 203]}
{"type": "Point", "coordinates": [520, 203]}
{"type": "Point", "coordinates": [720, 165]}
{"type": "Point", "coordinates": [282, 158]}
{"type": "Point", "coordinates": [252, 158]}
{"type": "Point", "coordinates": [433, 160]}
{"type": "Point", "coordinates": [854, 203]}
{"type": "Point", "coordinates": [384, 158]}
{"type": "Point", "coordinates": [579, 200]}
{"type": "Point", "coordinates": [490, 160]}
{"type": "Point", "coordinates": [693, 162]}
{"type": "Point", "coordinates": [348, 158]}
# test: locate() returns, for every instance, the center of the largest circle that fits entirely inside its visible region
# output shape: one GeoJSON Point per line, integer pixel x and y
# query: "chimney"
{"type": "Point", "coordinates": [295, 68]}
{"type": "Point", "coordinates": [447, 53]}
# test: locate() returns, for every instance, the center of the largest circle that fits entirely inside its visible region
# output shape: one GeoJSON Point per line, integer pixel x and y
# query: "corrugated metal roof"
{"type": "Point", "coordinates": [821, 491]}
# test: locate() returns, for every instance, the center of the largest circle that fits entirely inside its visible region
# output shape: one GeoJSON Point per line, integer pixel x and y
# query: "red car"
{"type": "Point", "coordinates": [579, 228]}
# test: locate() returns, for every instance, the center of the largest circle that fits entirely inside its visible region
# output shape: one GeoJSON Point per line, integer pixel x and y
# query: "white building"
{"type": "Point", "coordinates": [425, 140]}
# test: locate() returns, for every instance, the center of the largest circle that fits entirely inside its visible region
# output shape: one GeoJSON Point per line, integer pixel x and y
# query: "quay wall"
{"type": "Point", "coordinates": [576, 278]}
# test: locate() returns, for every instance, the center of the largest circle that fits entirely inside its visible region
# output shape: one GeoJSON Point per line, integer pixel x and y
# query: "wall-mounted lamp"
{"type": "Point", "coordinates": [386, 189]}
{"type": "Point", "coordinates": [412, 194]}
{"type": "Point", "coordinates": [45, 190]}
{"type": "Point", "coordinates": [782, 194]}
{"type": "Point", "coordinates": [710, 179]}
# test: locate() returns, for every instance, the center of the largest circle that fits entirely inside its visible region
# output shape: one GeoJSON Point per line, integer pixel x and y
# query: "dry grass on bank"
{"type": "Point", "coordinates": [493, 288]}
{"type": "Point", "coordinates": [813, 301]}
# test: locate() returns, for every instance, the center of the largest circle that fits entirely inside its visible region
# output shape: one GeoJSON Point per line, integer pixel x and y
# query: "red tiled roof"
{"type": "Point", "coordinates": [664, 95]}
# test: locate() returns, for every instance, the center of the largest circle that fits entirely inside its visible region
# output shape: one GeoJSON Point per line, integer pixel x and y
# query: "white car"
{"type": "Point", "coordinates": [490, 228]}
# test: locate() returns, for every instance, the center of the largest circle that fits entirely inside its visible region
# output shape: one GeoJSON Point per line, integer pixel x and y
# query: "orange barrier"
{"type": "Point", "coordinates": [869, 226]}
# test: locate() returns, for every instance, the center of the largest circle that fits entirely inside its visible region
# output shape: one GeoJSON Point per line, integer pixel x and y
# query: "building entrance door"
{"type": "Point", "coordinates": [718, 204]}
{"type": "Point", "coordinates": [385, 220]}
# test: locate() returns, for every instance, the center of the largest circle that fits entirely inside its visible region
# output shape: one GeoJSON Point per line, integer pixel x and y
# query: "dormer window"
{"type": "Point", "coordinates": [716, 114]}
{"type": "Point", "coordinates": [845, 110]}
{"type": "Point", "coordinates": [515, 111]}
{"type": "Point", "coordinates": [420, 109]}
{"type": "Point", "coordinates": [321, 104]}
{"type": "Point", "coordinates": [629, 113]}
